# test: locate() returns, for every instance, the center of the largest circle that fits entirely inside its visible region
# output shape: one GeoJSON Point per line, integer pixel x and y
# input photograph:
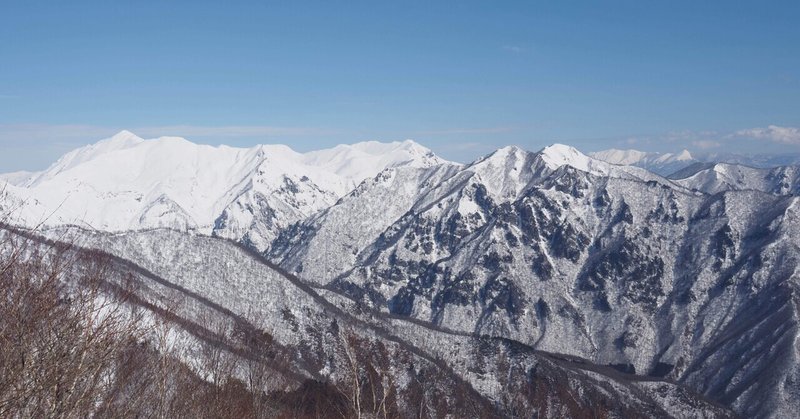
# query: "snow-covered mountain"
{"type": "Point", "coordinates": [688, 280]}
{"type": "Point", "coordinates": [128, 183]}
{"type": "Point", "coordinates": [573, 255]}
{"type": "Point", "coordinates": [327, 244]}
{"type": "Point", "coordinates": [661, 163]}
{"type": "Point", "coordinates": [713, 178]}
{"type": "Point", "coordinates": [307, 334]}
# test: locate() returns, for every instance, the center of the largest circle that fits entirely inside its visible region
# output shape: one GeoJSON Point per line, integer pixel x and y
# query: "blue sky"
{"type": "Point", "coordinates": [462, 78]}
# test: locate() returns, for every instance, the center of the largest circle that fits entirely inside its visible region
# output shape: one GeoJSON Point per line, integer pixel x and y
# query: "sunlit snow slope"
{"type": "Point", "coordinates": [128, 183]}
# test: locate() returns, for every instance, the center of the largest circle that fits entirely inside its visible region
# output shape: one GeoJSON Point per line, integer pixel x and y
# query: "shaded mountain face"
{"type": "Point", "coordinates": [201, 286]}
{"type": "Point", "coordinates": [689, 280]}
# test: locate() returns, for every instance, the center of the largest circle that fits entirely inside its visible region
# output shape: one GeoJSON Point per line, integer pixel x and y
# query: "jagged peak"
{"type": "Point", "coordinates": [503, 159]}
{"type": "Point", "coordinates": [552, 156]}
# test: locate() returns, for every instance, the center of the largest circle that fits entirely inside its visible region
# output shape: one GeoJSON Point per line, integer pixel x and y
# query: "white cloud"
{"type": "Point", "coordinates": [774, 133]}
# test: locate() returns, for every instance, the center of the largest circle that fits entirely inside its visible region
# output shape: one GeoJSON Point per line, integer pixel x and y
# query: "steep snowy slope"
{"type": "Point", "coordinates": [571, 255]}
{"type": "Point", "coordinates": [327, 244]}
{"type": "Point", "coordinates": [120, 141]}
{"type": "Point", "coordinates": [127, 183]}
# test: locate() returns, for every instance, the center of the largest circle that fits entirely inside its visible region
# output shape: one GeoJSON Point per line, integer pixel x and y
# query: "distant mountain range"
{"type": "Point", "coordinates": [128, 183]}
{"type": "Point", "coordinates": [595, 280]}
{"type": "Point", "coordinates": [666, 164]}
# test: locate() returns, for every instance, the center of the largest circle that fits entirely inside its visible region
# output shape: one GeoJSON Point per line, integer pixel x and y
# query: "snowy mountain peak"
{"type": "Point", "coordinates": [366, 159]}
{"type": "Point", "coordinates": [503, 161]}
{"type": "Point", "coordinates": [559, 149]}
{"type": "Point", "coordinates": [684, 155]}
{"type": "Point", "coordinates": [558, 155]}
{"type": "Point", "coordinates": [505, 172]}
{"type": "Point", "coordinates": [120, 141]}
{"type": "Point", "coordinates": [124, 137]}
{"type": "Point", "coordinates": [507, 152]}
{"type": "Point", "coordinates": [666, 158]}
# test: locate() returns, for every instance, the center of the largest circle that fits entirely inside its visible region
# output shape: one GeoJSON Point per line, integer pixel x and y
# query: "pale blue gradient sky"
{"type": "Point", "coordinates": [462, 78]}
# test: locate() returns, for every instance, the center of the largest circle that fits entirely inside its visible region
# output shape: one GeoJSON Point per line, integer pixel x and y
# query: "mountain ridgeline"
{"type": "Point", "coordinates": [544, 281]}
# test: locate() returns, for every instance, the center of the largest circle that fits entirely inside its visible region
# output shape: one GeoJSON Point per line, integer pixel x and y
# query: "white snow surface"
{"type": "Point", "coordinates": [558, 155]}
{"type": "Point", "coordinates": [128, 183]}
{"type": "Point", "coordinates": [632, 157]}
{"type": "Point", "coordinates": [661, 163]}
{"type": "Point", "coordinates": [16, 178]}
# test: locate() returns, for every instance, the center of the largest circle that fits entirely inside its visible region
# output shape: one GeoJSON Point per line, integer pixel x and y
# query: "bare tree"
{"type": "Point", "coordinates": [59, 338]}
{"type": "Point", "coordinates": [367, 381]}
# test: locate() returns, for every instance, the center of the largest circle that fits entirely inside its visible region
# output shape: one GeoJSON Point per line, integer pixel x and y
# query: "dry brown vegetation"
{"type": "Point", "coordinates": [72, 348]}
